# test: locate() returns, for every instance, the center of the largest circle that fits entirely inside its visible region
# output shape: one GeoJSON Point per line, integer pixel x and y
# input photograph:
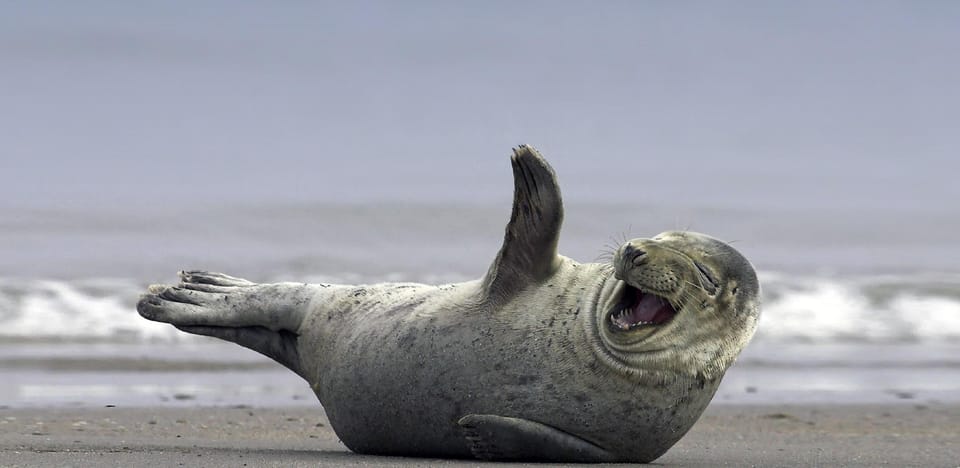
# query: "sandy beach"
{"type": "Point", "coordinates": [726, 435]}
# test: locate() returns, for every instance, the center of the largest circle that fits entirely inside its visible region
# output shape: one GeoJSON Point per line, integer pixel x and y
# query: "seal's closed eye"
{"type": "Point", "coordinates": [709, 282]}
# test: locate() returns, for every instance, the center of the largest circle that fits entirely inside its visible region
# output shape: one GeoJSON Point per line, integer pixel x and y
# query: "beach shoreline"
{"type": "Point", "coordinates": [727, 435]}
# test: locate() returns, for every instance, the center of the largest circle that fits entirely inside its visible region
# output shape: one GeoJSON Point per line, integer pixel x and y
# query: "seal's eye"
{"type": "Point", "coordinates": [708, 282]}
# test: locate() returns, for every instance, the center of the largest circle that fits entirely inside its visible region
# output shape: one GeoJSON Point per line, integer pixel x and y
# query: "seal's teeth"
{"type": "Point", "coordinates": [616, 320]}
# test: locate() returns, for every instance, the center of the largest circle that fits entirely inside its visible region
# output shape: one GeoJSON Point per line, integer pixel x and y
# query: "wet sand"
{"type": "Point", "coordinates": [727, 435]}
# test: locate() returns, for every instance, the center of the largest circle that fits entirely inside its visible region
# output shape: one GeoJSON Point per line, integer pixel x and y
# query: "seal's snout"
{"type": "Point", "coordinates": [629, 256]}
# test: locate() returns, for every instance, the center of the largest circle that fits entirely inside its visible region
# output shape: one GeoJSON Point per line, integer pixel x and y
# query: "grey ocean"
{"type": "Point", "coordinates": [849, 314]}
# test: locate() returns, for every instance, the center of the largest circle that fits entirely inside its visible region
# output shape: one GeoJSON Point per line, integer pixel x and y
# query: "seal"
{"type": "Point", "coordinates": [542, 359]}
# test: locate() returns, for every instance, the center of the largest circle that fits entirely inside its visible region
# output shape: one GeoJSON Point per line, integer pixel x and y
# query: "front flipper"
{"type": "Point", "coordinates": [499, 438]}
{"type": "Point", "coordinates": [529, 251]}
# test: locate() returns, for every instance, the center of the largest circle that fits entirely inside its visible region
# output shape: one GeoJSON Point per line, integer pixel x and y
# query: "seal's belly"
{"type": "Point", "coordinates": [401, 391]}
{"type": "Point", "coordinates": [417, 416]}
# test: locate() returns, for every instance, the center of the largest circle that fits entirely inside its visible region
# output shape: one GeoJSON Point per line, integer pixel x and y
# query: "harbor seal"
{"type": "Point", "coordinates": [542, 359]}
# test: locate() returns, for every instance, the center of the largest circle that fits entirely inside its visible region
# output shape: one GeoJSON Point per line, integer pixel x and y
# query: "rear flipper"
{"type": "Point", "coordinates": [263, 317]}
{"type": "Point", "coordinates": [281, 346]}
{"type": "Point", "coordinates": [218, 300]}
{"type": "Point", "coordinates": [499, 438]}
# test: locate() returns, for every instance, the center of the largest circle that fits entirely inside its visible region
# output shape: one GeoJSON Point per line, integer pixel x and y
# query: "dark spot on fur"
{"type": "Point", "coordinates": [407, 339]}
{"type": "Point", "coordinates": [779, 416]}
{"type": "Point", "coordinates": [527, 379]}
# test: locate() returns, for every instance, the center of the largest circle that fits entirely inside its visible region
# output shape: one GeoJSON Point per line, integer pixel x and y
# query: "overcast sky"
{"type": "Point", "coordinates": [130, 103]}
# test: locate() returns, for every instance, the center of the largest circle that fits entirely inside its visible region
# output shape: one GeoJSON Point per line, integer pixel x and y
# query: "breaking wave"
{"type": "Point", "coordinates": [801, 309]}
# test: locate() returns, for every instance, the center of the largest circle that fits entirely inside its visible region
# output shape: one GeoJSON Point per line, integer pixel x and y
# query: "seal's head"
{"type": "Point", "coordinates": [681, 302]}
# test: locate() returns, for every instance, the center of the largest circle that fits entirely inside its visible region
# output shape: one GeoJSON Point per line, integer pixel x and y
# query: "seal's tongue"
{"type": "Point", "coordinates": [650, 309]}
{"type": "Point", "coordinates": [642, 309]}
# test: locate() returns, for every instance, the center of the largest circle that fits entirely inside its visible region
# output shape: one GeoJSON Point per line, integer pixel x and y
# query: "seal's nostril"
{"type": "Point", "coordinates": [633, 255]}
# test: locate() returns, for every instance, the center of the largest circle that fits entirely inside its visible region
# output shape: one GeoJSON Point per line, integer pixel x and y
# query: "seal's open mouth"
{"type": "Point", "coordinates": [637, 308]}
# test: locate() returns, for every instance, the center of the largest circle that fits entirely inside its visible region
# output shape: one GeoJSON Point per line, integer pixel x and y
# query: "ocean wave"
{"type": "Point", "coordinates": [875, 308]}
{"type": "Point", "coordinates": [802, 309]}
{"type": "Point", "coordinates": [98, 308]}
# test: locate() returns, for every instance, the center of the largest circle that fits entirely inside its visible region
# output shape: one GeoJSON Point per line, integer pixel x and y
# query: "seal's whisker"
{"type": "Point", "coordinates": [685, 298]}
{"type": "Point", "coordinates": [604, 257]}
{"type": "Point", "coordinates": [695, 285]}
{"type": "Point", "coordinates": [688, 296]}
{"type": "Point", "coordinates": [693, 266]}
{"type": "Point", "coordinates": [697, 288]}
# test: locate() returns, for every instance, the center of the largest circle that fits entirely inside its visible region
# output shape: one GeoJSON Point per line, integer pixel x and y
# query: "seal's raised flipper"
{"type": "Point", "coordinates": [499, 438]}
{"type": "Point", "coordinates": [529, 251]}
